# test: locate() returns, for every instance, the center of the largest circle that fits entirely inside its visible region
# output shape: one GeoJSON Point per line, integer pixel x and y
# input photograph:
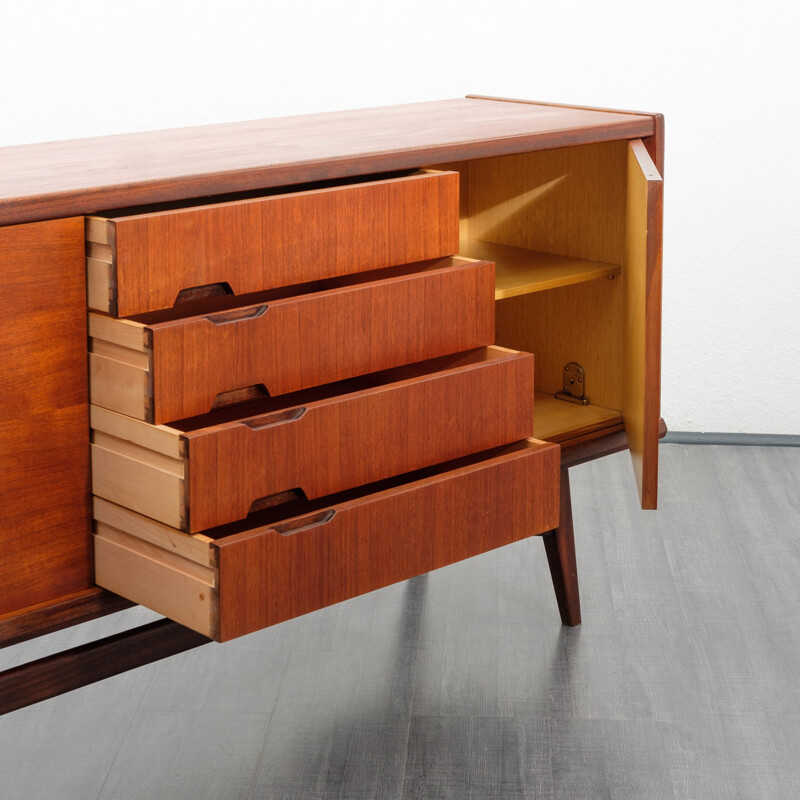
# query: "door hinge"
{"type": "Point", "coordinates": [574, 390]}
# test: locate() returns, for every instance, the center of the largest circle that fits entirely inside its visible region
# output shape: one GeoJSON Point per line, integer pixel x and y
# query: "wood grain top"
{"type": "Point", "coordinates": [56, 179]}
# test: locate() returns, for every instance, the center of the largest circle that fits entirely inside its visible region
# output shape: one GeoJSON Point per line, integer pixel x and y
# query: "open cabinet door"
{"type": "Point", "coordinates": [642, 347]}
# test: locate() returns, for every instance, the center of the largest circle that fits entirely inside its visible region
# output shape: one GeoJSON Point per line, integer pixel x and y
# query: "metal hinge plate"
{"type": "Point", "coordinates": [574, 390]}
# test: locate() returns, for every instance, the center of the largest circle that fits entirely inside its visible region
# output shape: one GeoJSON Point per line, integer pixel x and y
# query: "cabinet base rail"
{"type": "Point", "coordinates": [71, 669]}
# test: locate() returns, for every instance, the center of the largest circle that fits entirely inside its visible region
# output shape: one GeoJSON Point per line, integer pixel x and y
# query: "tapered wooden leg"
{"type": "Point", "coordinates": [560, 548]}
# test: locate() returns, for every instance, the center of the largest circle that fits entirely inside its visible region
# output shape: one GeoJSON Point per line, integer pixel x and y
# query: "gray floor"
{"type": "Point", "coordinates": [683, 682]}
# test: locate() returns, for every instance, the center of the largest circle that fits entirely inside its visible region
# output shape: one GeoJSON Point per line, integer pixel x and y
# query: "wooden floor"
{"type": "Point", "coordinates": [683, 682]}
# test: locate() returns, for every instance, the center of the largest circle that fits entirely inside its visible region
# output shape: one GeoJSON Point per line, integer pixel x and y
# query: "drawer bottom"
{"type": "Point", "coordinates": [235, 579]}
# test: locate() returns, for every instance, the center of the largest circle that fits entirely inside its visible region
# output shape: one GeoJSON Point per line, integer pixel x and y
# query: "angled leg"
{"type": "Point", "coordinates": [560, 548]}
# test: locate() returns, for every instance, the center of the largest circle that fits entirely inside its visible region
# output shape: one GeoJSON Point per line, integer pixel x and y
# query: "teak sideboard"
{"type": "Point", "coordinates": [254, 369]}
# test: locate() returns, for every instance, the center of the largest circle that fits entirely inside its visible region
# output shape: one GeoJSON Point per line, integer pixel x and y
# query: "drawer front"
{"type": "Point", "coordinates": [273, 573]}
{"type": "Point", "coordinates": [181, 368]}
{"type": "Point", "coordinates": [214, 475]}
{"type": "Point", "coordinates": [143, 262]}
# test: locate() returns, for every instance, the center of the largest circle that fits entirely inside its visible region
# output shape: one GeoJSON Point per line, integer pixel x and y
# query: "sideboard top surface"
{"type": "Point", "coordinates": [81, 176]}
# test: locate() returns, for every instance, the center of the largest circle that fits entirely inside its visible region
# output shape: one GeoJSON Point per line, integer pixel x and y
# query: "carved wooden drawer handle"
{"type": "Point", "coordinates": [277, 417]}
{"type": "Point", "coordinates": [238, 315]}
{"type": "Point", "coordinates": [304, 523]}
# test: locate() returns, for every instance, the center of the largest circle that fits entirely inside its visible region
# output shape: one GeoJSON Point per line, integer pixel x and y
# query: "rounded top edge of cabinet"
{"type": "Point", "coordinates": [83, 176]}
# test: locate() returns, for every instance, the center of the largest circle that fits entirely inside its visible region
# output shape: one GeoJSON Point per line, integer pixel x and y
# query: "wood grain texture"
{"type": "Point", "coordinates": [44, 458]}
{"type": "Point", "coordinates": [54, 615]}
{"type": "Point", "coordinates": [579, 198]}
{"type": "Point", "coordinates": [359, 438]}
{"type": "Point", "coordinates": [158, 438]}
{"type": "Point", "coordinates": [580, 323]}
{"type": "Point", "coordinates": [266, 576]}
{"type": "Point", "coordinates": [449, 408]}
{"type": "Point", "coordinates": [559, 545]}
{"type": "Point", "coordinates": [192, 548]}
{"type": "Point", "coordinates": [569, 201]}
{"type": "Point", "coordinates": [168, 555]}
{"type": "Point", "coordinates": [138, 478]}
{"type": "Point", "coordinates": [307, 340]}
{"type": "Point", "coordinates": [70, 669]}
{"type": "Point", "coordinates": [558, 420]}
{"type": "Point", "coordinates": [613, 440]}
{"type": "Point", "coordinates": [654, 143]}
{"type": "Point", "coordinates": [263, 243]}
{"type": "Point", "coordinates": [154, 578]}
{"type": "Point", "coordinates": [519, 271]}
{"type": "Point", "coordinates": [84, 176]}
{"type": "Point", "coordinates": [100, 291]}
{"type": "Point", "coordinates": [642, 271]}
{"type": "Point", "coordinates": [120, 378]}
{"type": "Point", "coordinates": [122, 333]}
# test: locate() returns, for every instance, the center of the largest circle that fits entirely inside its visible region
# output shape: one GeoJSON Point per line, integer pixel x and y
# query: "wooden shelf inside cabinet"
{"type": "Point", "coordinates": [520, 271]}
{"type": "Point", "coordinates": [558, 420]}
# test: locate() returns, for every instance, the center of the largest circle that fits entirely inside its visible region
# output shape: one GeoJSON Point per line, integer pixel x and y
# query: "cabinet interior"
{"type": "Point", "coordinates": [554, 223]}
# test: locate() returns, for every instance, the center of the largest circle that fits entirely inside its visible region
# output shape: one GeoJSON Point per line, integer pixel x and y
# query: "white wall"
{"type": "Point", "coordinates": [726, 76]}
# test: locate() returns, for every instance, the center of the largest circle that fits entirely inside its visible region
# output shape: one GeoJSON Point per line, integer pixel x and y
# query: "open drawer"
{"type": "Point", "coordinates": [143, 260]}
{"type": "Point", "coordinates": [163, 366]}
{"type": "Point", "coordinates": [237, 579]}
{"type": "Point", "coordinates": [214, 469]}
